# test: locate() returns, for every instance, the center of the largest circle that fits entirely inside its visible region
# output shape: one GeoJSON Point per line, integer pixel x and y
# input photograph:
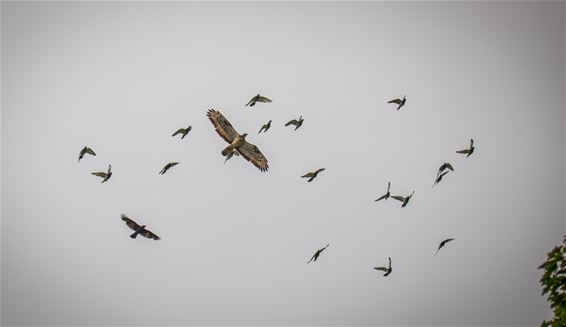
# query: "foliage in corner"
{"type": "Point", "coordinates": [554, 284]}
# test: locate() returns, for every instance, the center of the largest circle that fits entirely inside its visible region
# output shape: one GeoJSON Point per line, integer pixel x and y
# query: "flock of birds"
{"type": "Point", "coordinates": [239, 146]}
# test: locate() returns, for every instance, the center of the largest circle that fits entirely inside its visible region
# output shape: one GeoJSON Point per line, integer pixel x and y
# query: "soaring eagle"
{"type": "Point", "coordinates": [138, 229]}
{"type": "Point", "coordinates": [237, 142]}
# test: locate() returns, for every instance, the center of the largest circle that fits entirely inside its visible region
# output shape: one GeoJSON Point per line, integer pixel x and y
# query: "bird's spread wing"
{"type": "Point", "coordinates": [449, 166]}
{"type": "Point", "coordinates": [263, 99]}
{"type": "Point", "coordinates": [307, 175]}
{"type": "Point", "coordinates": [89, 151]}
{"type": "Point", "coordinates": [99, 174]}
{"type": "Point", "coordinates": [381, 268]}
{"type": "Point", "coordinates": [253, 155]}
{"type": "Point", "coordinates": [292, 122]}
{"type": "Point", "coordinates": [397, 101]}
{"type": "Point", "coordinates": [398, 198]}
{"type": "Point", "coordinates": [222, 125]}
{"type": "Point", "coordinates": [463, 151]}
{"type": "Point", "coordinates": [149, 234]}
{"type": "Point", "coordinates": [382, 197]}
{"type": "Point", "coordinates": [179, 131]}
{"type": "Point", "coordinates": [132, 224]}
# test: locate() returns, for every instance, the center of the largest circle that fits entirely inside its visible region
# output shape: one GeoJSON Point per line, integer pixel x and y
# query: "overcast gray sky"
{"type": "Point", "coordinates": [122, 77]}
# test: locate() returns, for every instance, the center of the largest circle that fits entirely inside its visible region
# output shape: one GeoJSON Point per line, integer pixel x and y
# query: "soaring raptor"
{"type": "Point", "coordinates": [237, 142]}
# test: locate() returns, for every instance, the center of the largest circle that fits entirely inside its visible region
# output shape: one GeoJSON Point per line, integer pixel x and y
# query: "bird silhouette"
{"type": "Point", "coordinates": [444, 166]}
{"type": "Point", "coordinates": [265, 127]}
{"type": "Point", "coordinates": [400, 102]}
{"type": "Point", "coordinates": [468, 151]}
{"type": "Point", "coordinates": [138, 229]}
{"type": "Point", "coordinates": [183, 131]}
{"type": "Point", "coordinates": [386, 195]}
{"type": "Point", "coordinates": [167, 166]}
{"type": "Point", "coordinates": [387, 270]}
{"type": "Point", "coordinates": [84, 151]}
{"type": "Point", "coordinates": [312, 175]}
{"type": "Point", "coordinates": [405, 200]}
{"type": "Point", "coordinates": [317, 253]}
{"type": "Point", "coordinates": [257, 98]}
{"type": "Point", "coordinates": [295, 122]}
{"type": "Point", "coordinates": [104, 175]}
{"type": "Point", "coordinates": [443, 243]}
{"type": "Point", "coordinates": [439, 178]}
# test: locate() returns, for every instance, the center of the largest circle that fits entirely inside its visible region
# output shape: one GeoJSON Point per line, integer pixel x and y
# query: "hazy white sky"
{"type": "Point", "coordinates": [122, 77]}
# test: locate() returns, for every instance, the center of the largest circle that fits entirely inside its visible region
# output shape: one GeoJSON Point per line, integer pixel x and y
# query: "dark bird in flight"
{"type": "Point", "coordinates": [405, 200]}
{"type": "Point", "coordinates": [167, 166]}
{"type": "Point", "coordinates": [183, 131]}
{"type": "Point", "coordinates": [387, 270]}
{"type": "Point", "coordinates": [84, 151]}
{"type": "Point", "coordinates": [400, 102]}
{"type": "Point", "coordinates": [230, 155]}
{"type": "Point", "coordinates": [439, 178]}
{"type": "Point", "coordinates": [295, 122]}
{"type": "Point", "coordinates": [468, 151]}
{"type": "Point", "coordinates": [138, 229]}
{"type": "Point", "coordinates": [265, 127]}
{"type": "Point", "coordinates": [104, 175]}
{"type": "Point", "coordinates": [317, 253]}
{"type": "Point", "coordinates": [444, 166]}
{"type": "Point", "coordinates": [312, 175]}
{"type": "Point", "coordinates": [443, 243]}
{"type": "Point", "coordinates": [257, 98]}
{"type": "Point", "coordinates": [237, 142]}
{"type": "Point", "coordinates": [386, 195]}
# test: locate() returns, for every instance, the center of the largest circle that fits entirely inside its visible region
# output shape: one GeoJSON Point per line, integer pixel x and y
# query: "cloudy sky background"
{"type": "Point", "coordinates": [122, 77]}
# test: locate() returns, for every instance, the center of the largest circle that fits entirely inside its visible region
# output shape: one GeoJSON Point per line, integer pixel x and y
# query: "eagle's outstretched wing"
{"type": "Point", "coordinates": [222, 126]}
{"type": "Point", "coordinates": [398, 198]}
{"type": "Point", "coordinates": [132, 224]}
{"type": "Point", "coordinates": [148, 234]}
{"type": "Point", "coordinates": [253, 155]}
{"type": "Point", "coordinates": [381, 268]}
{"type": "Point", "coordinates": [397, 101]}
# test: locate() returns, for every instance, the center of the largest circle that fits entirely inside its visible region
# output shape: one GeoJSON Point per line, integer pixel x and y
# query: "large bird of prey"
{"type": "Point", "coordinates": [167, 166]}
{"type": "Point", "coordinates": [386, 195]}
{"type": "Point", "coordinates": [317, 253]}
{"type": "Point", "coordinates": [387, 270]}
{"type": "Point", "coordinates": [405, 200]}
{"type": "Point", "coordinates": [84, 151]}
{"type": "Point", "coordinates": [443, 243]}
{"type": "Point", "coordinates": [400, 102]}
{"type": "Point", "coordinates": [444, 166]}
{"type": "Point", "coordinates": [104, 175]}
{"type": "Point", "coordinates": [312, 175]}
{"type": "Point", "coordinates": [257, 98]}
{"type": "Point", "coordinates": [295, 122]}
{"type": "Point", "coordinates": [183, 131]}
{"type": "Point", "coordinates": [468, 151]}
{"type": "Point", "coordinates": [237, 142]}
{"type": "Point", "coordinates": [138, 229]}
{"type": "Point", "coordinates": [265, 127]}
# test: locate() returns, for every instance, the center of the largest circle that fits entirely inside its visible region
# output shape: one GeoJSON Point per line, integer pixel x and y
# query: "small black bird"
{"type": "Point", "coordinates": [443, 243]}
{"type": "Point", "coordinates": [405, 200]}
{"type": "Point", "coordinates": [318, 252]}
{"type": "Point", "coordinates": [444, 166]}
{"type": "Point", "coordinates": [167, 166]}
{"type": "Point", "coordinates": [257, 98]}
{"type": "Point", "coordinates": [386, 195]}
{"type": "Point", "coordinates": [183, 131]}
{"type": "Point", "coordinates": [400, 102]}
{"type": "Point", "coordinates": [295, 122]}
{"type": "Point", "coordinates": [439, 178]}
{"type": "Point", "coordinates": [104, 175]}
{"type": "Point", "coordinates": [84, 151]}
{"type": "Point", "coordinates": [231, 154]}
{"type": "Point", "coordinates": [265, 127]}
{"type": "Point", "coordinates": [138, 229]}
{"type": "Point", "coordinates": [387, 270]}
{"type": "Point", "coordinates": [470, 150]}
{"type": "Point", "coordinates": [312, 175]}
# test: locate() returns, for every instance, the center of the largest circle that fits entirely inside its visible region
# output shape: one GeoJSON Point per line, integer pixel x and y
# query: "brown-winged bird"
{"type": "Point", "coordinates": [443, 243]}
{"type": "Point", "coordinates": [237, 142]}
{"type": "Point", "coordinates": [387, 270]}
{"type": "Point", "coordinates": [439, 178]}
{"type": "Point", "coordinates": [400, 102]}
{"type": "Point", "coordinates": [167, 166]}
{"type": "Point", "coordinates": [183, 131]}
{"type": "Point", "coordinates": [444, 166]}
{"type": "Point", "coordinates": [295, 122]}
{"type": "Point", "coordinates": [257, 98]}
{"type": "Point", "coordinates": [138, 229]}
{"type": "Point", "coordinates": [312, 175]}
{"type": "Point", "coordinates": [84, 151]}
{"type": "Point", "coordinates": [405, 200]}
{"type": "Point", "coordinates": [104, 175]}
{"type": "Point", "coordinates": [468, 151]}
{"type": "Point", "coordinates": [265, 127]}
{"type": "Point", "coordinates": [317, 253]}
{"type": "Point", "coordinates": [386, 195]}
